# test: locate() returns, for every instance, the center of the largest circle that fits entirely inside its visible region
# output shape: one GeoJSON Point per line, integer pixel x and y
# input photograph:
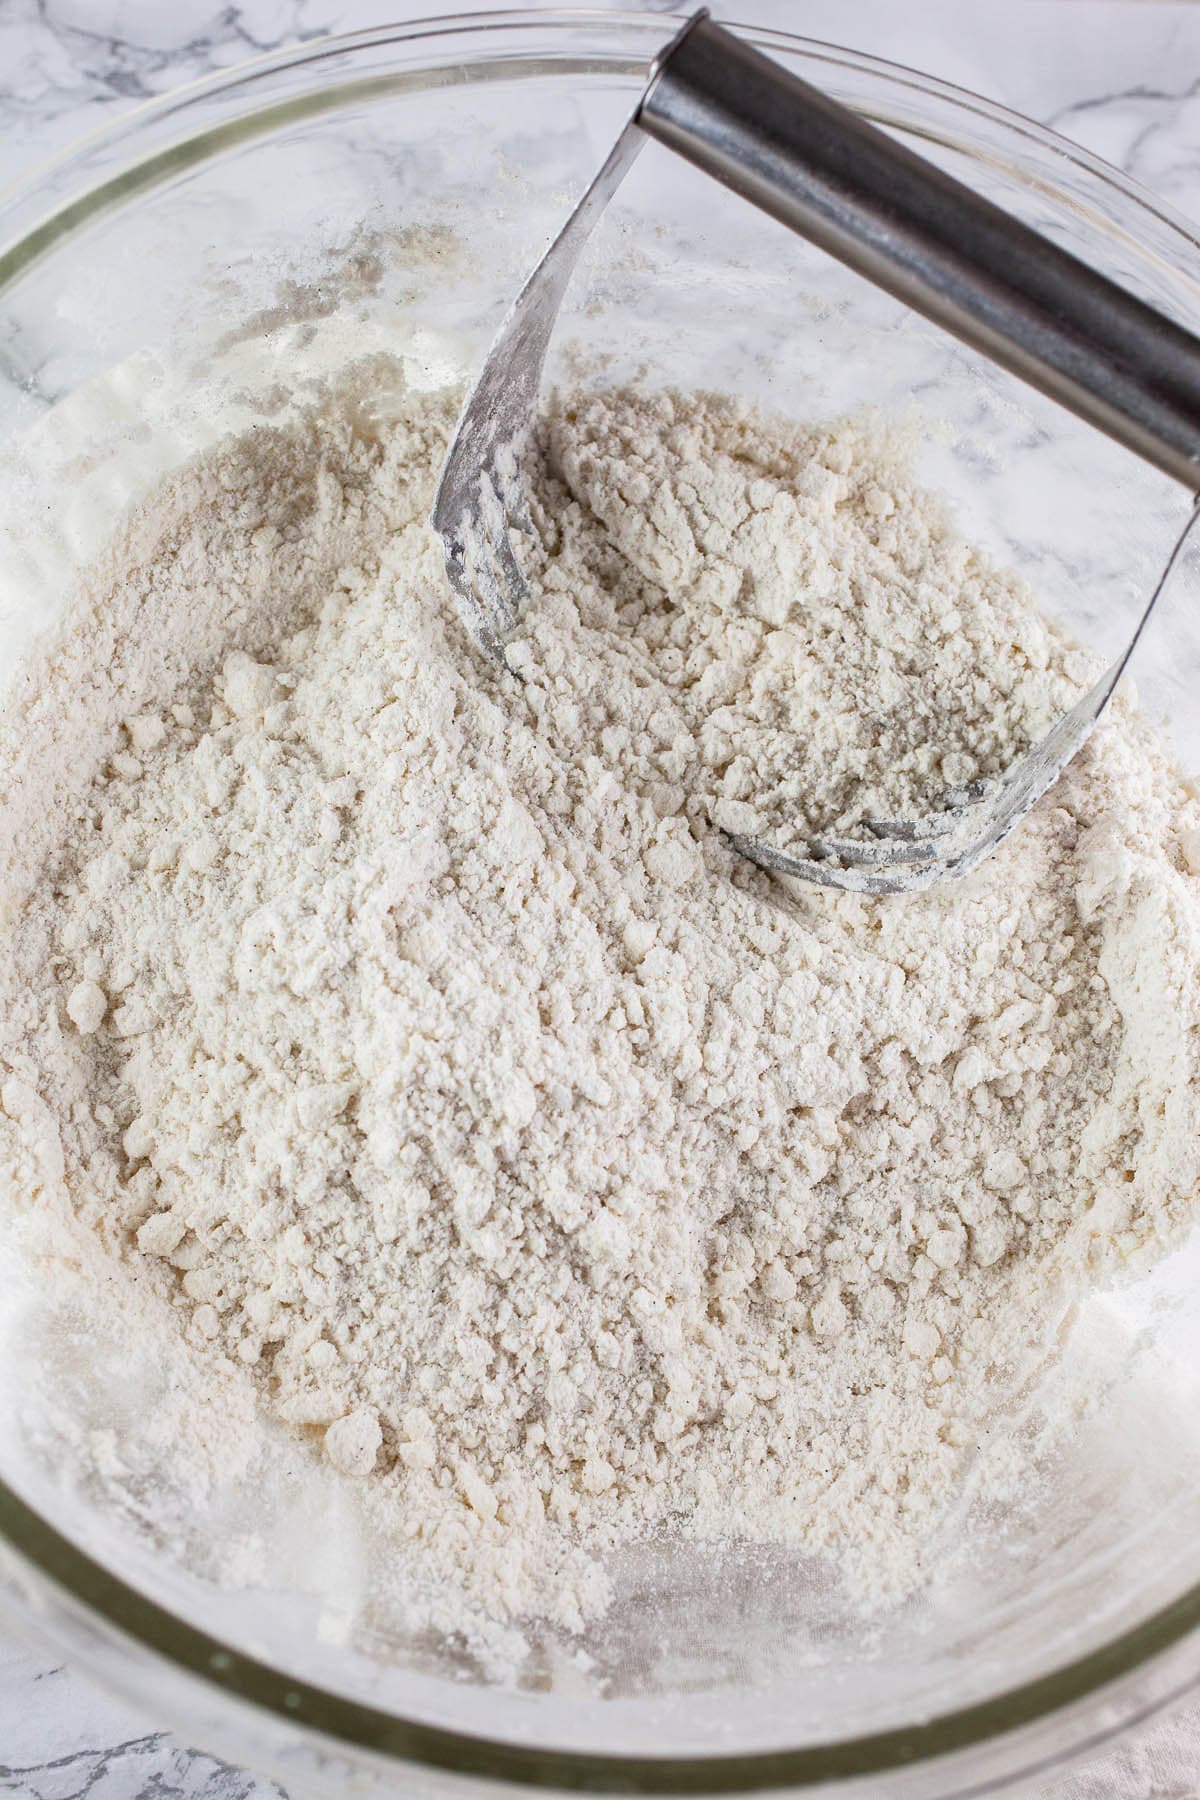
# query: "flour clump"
{"type": "Point", "coordinates": [413, 1028]}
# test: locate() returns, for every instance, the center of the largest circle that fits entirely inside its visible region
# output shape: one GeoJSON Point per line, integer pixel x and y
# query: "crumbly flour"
{"type": "Point", "coordinates": [412, 1031]}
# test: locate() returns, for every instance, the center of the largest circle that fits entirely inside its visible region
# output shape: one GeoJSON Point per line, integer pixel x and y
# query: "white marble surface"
{"type": "Point", "coordinates": [1121, 76]}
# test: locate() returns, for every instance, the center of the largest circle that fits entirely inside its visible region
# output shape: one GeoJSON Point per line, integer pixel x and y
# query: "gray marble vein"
{"type": "Point", "coordinates": [68, 65]}
{"type": "Point", "coordinates": [145, 1765]}
{"type": "Point", "coordinates": [1120, 76]}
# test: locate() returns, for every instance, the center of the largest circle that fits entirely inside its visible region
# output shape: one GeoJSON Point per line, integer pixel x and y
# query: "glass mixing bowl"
{"type": "Point", "coordinates": [189, 272]}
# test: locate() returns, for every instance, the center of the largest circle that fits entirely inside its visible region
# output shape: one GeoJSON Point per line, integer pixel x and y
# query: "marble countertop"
{"type": "Point", "coordinates": [1121, 76]}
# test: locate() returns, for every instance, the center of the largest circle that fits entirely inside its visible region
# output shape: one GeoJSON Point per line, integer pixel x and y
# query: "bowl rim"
{"type": "Point", "coordinates": [123, 1611]}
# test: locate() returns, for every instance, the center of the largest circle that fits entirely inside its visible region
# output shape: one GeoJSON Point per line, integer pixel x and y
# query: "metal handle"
{"type": "Point", "coordinates": [929, 240]}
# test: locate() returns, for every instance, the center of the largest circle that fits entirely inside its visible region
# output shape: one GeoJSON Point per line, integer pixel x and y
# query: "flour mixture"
{"type": "Point", "coordinates": [410, 1029]}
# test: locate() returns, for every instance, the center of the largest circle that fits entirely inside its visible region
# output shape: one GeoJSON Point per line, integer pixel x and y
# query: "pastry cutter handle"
{"type": "Point", "coordinates": [931, 241]}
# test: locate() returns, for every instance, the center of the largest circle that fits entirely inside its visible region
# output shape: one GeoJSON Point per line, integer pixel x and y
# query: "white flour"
{"type": "Point", "coordinates": [413, 1033]}
{"type": "Point", "coordinates": [840, 651]}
